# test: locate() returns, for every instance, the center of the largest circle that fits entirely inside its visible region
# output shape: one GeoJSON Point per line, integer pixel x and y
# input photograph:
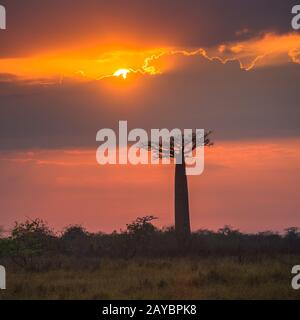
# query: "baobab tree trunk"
{"type": "Point", "coordinates": [182, 215]}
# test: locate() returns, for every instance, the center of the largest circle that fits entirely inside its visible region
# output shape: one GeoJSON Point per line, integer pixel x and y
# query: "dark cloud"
{"type": "Point", "coordinates": [201, 94]}
{"type": "Point", "coordinates": [42, 25]}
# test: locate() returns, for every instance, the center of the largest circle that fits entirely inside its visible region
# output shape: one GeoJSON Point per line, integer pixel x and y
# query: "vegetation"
{"type": "Point", "coordinates": [143, 261]}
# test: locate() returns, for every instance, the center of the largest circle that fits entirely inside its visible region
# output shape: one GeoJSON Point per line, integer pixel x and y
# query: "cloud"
{"type": "Point", "coordinates": [194, 92]}
{"type": "Point", "coordinates": [266, 50]}
{"type": "Point", "coordinates": [49, 97]}
{"type": "Point", "coordinates": [103, 24]}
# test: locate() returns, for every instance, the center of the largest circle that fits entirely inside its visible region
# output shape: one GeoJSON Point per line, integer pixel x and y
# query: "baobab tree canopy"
{"type": "Point", "coordinates": [178, 145]}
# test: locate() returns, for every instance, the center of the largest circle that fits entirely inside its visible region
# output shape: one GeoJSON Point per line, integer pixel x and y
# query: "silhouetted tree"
{"type": "Point", "coordinates": [178, 148]}
{"type": "Point", "coordinates": [28, 240]}
{"type": "Point", "coordinates": [141, 226]}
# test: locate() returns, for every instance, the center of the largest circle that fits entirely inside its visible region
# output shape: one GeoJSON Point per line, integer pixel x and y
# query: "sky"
{"type": "Point", "coordinates": [231, 67]}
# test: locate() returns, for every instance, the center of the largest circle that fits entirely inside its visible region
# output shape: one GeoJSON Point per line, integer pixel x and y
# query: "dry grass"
{"type": "Point", "coordinates": [178, 278]}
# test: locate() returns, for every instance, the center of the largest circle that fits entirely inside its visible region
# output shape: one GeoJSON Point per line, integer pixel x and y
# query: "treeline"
{"type": "Point", "coordinates": [32, 245]}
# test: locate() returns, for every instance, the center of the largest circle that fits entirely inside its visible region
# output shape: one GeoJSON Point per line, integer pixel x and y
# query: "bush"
{"type": "Point", "coordinates": [33, 245]}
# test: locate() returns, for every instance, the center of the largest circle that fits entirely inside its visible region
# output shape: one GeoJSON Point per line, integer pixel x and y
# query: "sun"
{"type": "Point", "coordinates": [122, 72]}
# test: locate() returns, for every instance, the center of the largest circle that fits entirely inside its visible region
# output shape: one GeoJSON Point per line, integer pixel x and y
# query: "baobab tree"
{"type": "Point", "coordinates": [178, 148]}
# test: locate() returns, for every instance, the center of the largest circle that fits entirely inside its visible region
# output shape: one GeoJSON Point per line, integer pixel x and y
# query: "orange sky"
{"type": "Point", "coordinates": [248, 186]}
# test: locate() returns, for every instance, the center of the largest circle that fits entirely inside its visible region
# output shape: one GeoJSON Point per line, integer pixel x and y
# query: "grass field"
{"type": "Point", "coordinates": [177, 278]}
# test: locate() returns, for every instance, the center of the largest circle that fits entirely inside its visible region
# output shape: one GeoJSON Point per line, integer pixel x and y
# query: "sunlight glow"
{"type": "Point", "coordinates": [122, 72]}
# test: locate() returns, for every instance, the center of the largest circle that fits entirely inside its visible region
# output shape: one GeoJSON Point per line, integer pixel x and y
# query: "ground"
{"type": "Point", "coordinates": [176, 278]}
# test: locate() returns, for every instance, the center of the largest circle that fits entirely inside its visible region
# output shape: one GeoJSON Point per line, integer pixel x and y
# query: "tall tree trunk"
{"type": "Point", "coordinates": [182, 215]}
